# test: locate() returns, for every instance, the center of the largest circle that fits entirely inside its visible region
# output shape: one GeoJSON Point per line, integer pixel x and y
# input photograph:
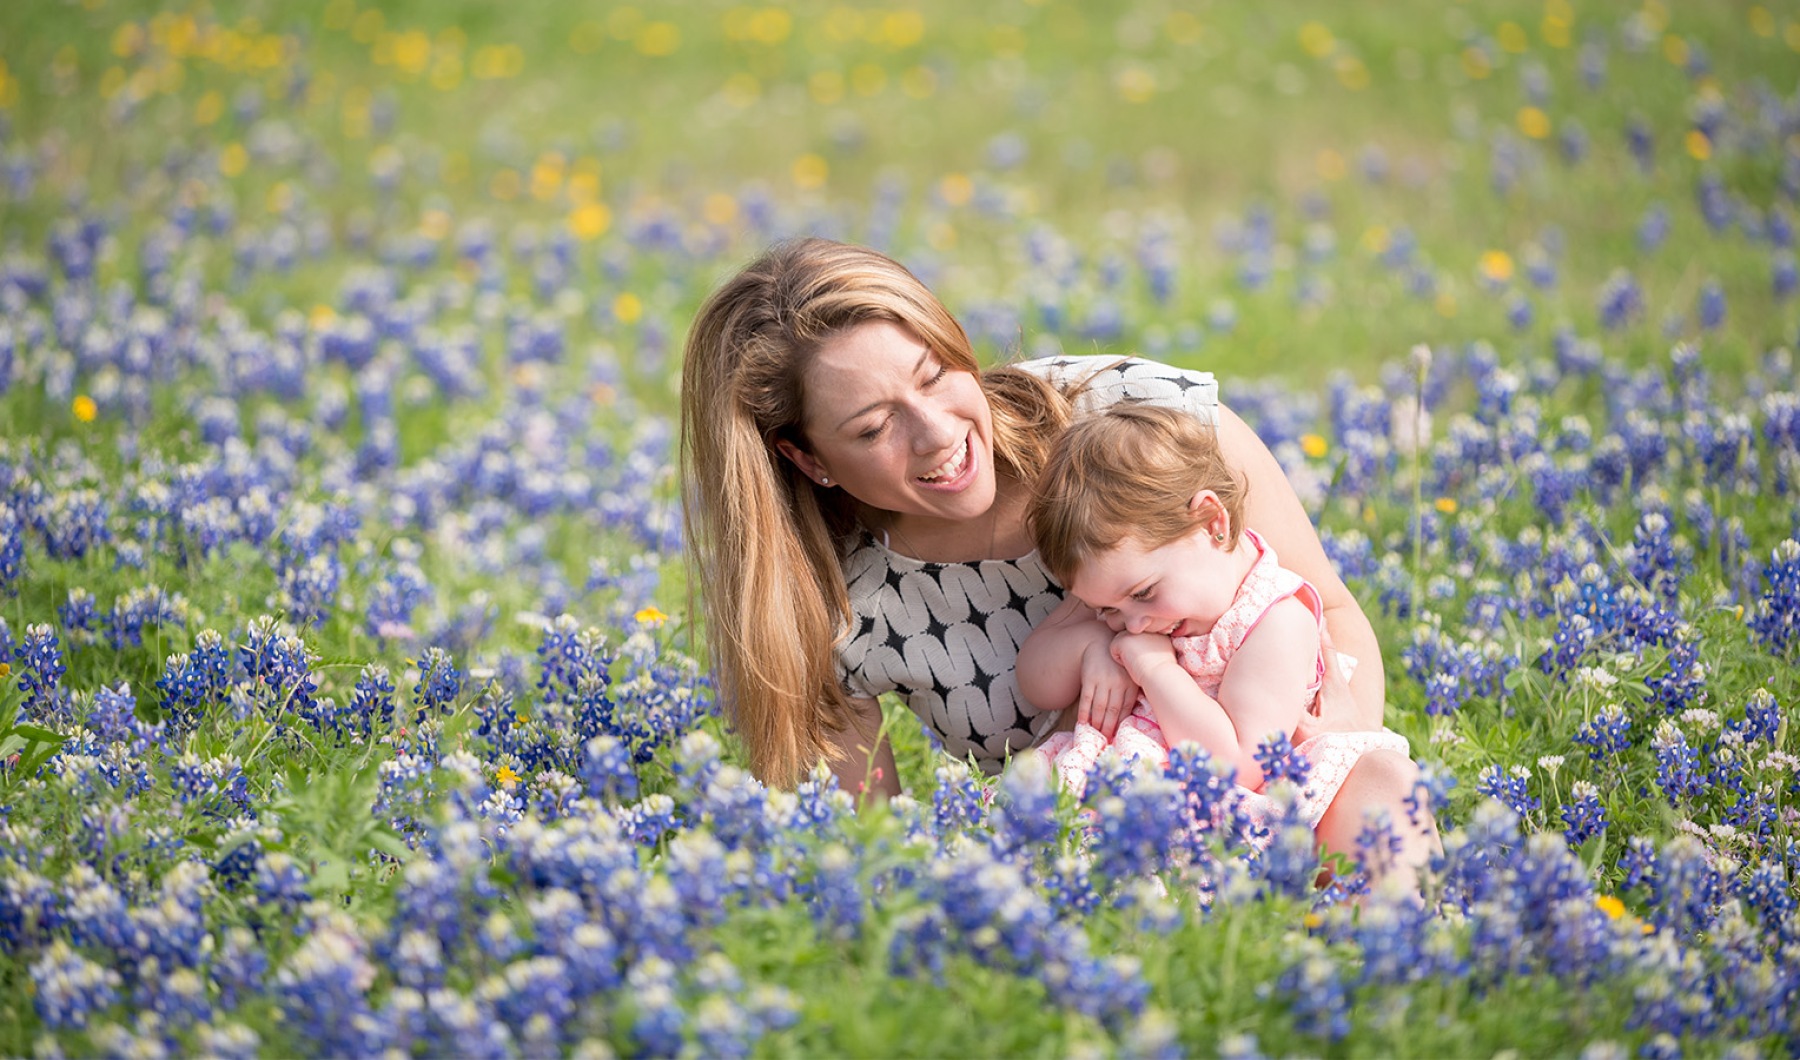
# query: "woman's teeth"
{"type": "Point", "coordinates": [950, 467]}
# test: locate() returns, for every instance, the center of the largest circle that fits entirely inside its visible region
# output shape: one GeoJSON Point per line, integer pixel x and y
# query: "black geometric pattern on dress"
{"type": "Point", "coordinates": [944, 637]}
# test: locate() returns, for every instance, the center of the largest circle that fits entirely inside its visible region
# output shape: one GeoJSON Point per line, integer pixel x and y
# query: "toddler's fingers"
{"type": "Point", "coordinates": [1085, 708]}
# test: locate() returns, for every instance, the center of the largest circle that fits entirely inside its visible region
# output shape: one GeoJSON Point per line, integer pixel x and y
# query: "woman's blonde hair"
{"type": "Point", "coordinates": [765, 542]}
{"type": "Point", "coordinates": [1128, 472]}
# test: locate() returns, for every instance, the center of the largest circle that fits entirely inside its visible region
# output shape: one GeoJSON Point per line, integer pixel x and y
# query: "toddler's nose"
{"type": "Point", "coordinates": [1138, 623]}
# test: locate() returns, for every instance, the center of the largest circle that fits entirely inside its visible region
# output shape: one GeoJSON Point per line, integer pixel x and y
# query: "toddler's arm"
{"type": "Point", "coordinates": [1264, 687]}
{"type": "Point", "coordinates": [1067, 661]}
{"type": "Point", "coordinates": [1181, 708]}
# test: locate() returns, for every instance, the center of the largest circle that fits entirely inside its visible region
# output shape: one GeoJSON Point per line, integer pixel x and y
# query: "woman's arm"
{"type": "Point", "coordinates": [1275, 512]}
{"type": "Point", "coordinates": [865, 768]}
{"type": "Point", "coordinates": [1067, 661]}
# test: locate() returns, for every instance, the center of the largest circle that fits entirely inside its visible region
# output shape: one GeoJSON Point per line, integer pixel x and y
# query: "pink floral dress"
{"type": "Point", "coordinates": [1206, 657]}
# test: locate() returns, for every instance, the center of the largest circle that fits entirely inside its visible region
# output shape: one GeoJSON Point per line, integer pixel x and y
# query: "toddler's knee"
{"type": "Point", "coordinates": [1386, 771]}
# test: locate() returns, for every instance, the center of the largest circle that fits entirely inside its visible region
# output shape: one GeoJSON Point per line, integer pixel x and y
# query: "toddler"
{"type": "Point", "coordinates": [1139, 516]}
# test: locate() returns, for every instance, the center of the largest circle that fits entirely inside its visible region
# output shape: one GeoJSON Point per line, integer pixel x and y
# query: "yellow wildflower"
{"type": "Point", "coordinates": [1314, 445]}
{"type": "Point", "coordinates": [84, 408]}
{"type": "Point", "coordinates": [1496, 265]}
{"type": "Point", "coordinates": [506, 778]}
{"type": "Point", "coordinates": [650, 616]}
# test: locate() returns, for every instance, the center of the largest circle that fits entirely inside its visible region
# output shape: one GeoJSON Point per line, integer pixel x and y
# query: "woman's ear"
{"type": "Point", "coordinates": [1209, 511]}
{"type": "Point", "coordinates": [800, 458]}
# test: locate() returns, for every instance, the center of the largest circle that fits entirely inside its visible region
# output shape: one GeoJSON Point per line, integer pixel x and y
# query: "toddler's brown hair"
{"type": "Point", "coordinates": [1128, 472]}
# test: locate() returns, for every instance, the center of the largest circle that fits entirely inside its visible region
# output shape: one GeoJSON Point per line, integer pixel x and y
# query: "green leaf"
{"type": "Point", "coordinates": [38, 733]}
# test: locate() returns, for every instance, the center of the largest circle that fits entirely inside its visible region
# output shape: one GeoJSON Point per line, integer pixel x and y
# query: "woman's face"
{"type": "Point", "coordinates": [896, 427]}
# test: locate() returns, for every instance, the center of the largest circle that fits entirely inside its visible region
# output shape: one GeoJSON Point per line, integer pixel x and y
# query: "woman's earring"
{"type": "Point", "coordinates": [824, 480]}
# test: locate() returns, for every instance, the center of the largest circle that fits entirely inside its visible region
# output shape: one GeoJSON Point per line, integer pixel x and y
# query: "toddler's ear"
{"type": "Point", "coordinates": [1206, 507]}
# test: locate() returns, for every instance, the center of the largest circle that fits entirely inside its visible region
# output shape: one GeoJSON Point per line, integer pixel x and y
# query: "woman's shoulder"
{"type": "Point", "coordinates": [1107, 380]}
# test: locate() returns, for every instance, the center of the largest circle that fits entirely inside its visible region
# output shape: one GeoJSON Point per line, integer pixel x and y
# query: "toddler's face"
{"type": "Point", "coordinates": [1179, 589]}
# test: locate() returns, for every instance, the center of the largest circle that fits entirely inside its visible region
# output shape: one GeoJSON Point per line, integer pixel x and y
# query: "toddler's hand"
{"type": "Point", "coordinates": [1138, 653]}
{"type": "Point", "coordinates": [1107, 690]}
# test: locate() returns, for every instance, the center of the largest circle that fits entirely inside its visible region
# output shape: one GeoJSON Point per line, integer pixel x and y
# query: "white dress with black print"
{"type": "Point", "coordinates": [943, 636]}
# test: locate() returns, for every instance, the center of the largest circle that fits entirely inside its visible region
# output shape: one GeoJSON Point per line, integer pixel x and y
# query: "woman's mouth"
{"type": "Point", "coordinates": [953, 470]}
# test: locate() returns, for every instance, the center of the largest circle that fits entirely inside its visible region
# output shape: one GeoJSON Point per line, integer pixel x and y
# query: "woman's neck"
{"type": "Point", "coordinates": [999, 534]}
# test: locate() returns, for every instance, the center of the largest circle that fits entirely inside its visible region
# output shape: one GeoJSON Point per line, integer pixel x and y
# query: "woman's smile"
{"type": "Point", "coordinates": [889, 421]}
{"type": "Point", "coordinates": [954, 472]}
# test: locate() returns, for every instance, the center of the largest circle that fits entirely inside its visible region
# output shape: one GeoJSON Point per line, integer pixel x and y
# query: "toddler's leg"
{"type": "Point", "coordinates": [1381, 780]}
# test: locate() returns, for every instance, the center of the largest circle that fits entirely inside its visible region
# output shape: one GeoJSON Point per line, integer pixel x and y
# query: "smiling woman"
{"type": "Point", "coordinates": [855, 489]}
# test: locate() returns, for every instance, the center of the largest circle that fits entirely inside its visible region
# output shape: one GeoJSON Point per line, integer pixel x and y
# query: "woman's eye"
{"type": "Point", "coordinates": [943, 370]}
{"type": "Point", "coordinates": [873, 432]}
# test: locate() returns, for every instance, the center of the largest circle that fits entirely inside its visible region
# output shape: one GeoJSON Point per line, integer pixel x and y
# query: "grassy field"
{"type": "Point", "coordinates": [350, 699]}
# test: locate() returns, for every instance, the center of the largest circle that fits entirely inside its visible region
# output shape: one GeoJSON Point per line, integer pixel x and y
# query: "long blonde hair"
{"type": "Point", "coordinates": [766, 543]}
{"type": "Point", "coordinates": [1128, 472]}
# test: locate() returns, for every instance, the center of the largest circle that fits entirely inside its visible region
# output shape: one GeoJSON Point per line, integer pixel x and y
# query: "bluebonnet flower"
{"type": "Point", "coordinates": [1715, 203]}
{"type": "Point", "coordinates": [78, 613]}
{"type": "Point", "coordinates": [657, 1021]}
{"type": "Point", "coordinates": [112, 713]}
{"type": "Point", "coordinates": [1572, 139]}
{"type": "Point", "coordinates": [1686, 889]}
{"type": "Point", "coordinates": [1712, 305]}
{"type": "Point", "coordinates": [281, 882]}
{"type": "Point", "coordinates": [1519, 312]}
{"type": "Point", "coordinates": [1509, 786]}
{"type": "Point", "coordinates": [532, 997]}
{"type": "Point", "coordinates": [140, 607]}
{"type": "Point", "coordinates": [1678, 771]}
{"type": "Point", "coordinates": [74, 523]}
{"type": "Point", "coordinates": [393, 601]}
{"type": "Point", "coordinates": [309, 588]}
{"type": "Point", "coordinates": [1025, 817]}
{"type": "Point", "coordinates": [323, 988]}
{"type": "Point", "coordinates": [439, 682]}
{"type": "Point", "coordinates": [1280, 761]}
{"type": "Point", "coordinates": [41, 668]}
{"type": "Point", "coordinates": [1653, 228]}
{"type": "Point", "coordinates": [1289, 865]}
{"type": "Point", "coordinates": [608, 770]}
{"type": "Point", "coordinates": [1585, 817]}
{"type": "Point", "coordinates": [179, 996]}
{"type": "Point", "coordinates": [1130, 826]}
{"type": "Point", "coordinates": [1607, 734]}
{"type": "Point", "coordinates": [1775, 620]}
{"type": "Point", "coordinates": [653, 817]}
{"type": "Point", "coordinates": [238, 967]}
{"type": "Point", "coordinates": [1621, 301]}
{"type": "Point", "coordinates": [12, 545]}
{"type": "Point", "coordinates": [1762, 715]}
{"type": "Point", "coordinates": [836, 891]}
{"type": "Point", "coordinates": [70, 989]}
{"type": "Point", "coordinates": [1784, 279]}
{"type": "Point", "coordinates": [229, 1041]}
{"type": "Point", "coordinates": [959, 801]}
{"type": "Point", "coordinates": [372, 701]}
{"type": "Point", "coordinates": [1316, 992]}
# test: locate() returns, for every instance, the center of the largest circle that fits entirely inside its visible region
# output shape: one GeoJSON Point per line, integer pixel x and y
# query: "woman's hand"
{"type": "Point", "coordinates": [1338, 710]}
{"type": "Point", "coordinates": [1107, 690]}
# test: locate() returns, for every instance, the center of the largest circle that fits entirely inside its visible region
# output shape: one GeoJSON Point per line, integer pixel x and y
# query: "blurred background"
{"type": "Point", "coordinates": [1272, 189]}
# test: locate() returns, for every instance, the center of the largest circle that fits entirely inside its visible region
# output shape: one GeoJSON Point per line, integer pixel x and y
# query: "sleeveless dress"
{"type": "Point", "coordinates": [1205, 658]}
{"type": "Point", "coordinates": [944, 636]}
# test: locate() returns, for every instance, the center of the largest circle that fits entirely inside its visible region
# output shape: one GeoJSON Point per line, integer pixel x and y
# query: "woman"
{"type": "Point", "coordinates": [855, 490]}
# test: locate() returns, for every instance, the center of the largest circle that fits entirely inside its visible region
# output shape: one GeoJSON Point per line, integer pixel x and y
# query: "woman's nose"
{"type": "Point", "coordinates": [937, 430]}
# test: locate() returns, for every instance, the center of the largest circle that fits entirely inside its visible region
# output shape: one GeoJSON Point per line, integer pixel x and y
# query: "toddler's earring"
{"type": "Point", "coordinates": [1218, 537]}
